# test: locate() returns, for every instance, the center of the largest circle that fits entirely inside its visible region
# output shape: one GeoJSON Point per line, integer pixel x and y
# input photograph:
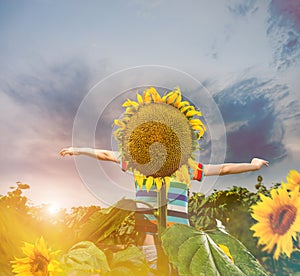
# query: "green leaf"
{"type": "Point", "coordinates": [196, 253]}
{"type": "Point", "coordinates": [104, 222]}
{"type": "Point", "coordinates": [131, 258]}
{"type": "Point", "coordinates": [173, 237]}
{"type": "Point", "coordinates": [120, 271]}
{"type": "Point", "coordinates": [186, 252]}
{"type": "Point", "coordinates": [85, 257]}
{"type": "Point", "coordinates": [224, 265]}
{"type": "Point", "coordinates": [242, 257]}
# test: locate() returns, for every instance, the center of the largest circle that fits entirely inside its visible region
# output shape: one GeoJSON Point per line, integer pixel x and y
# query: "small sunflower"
{"type": "Point", "coordinates": [278, 219]}
{"type": "Point", "coordinates": [293, 180]}
{"type": "Point", "coordinates": [39, 260]}
{"type": "Point", "coordinates": [158, 136]}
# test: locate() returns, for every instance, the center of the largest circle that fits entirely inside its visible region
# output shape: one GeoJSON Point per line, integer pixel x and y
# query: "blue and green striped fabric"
{"type": "Point", "coordinates": [178, 194]}
{"type": "Point", "coordinates": [177, 211]}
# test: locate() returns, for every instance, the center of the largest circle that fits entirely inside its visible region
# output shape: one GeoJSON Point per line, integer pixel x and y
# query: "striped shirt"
{"type": "Point", "coordinates": [177, 199]}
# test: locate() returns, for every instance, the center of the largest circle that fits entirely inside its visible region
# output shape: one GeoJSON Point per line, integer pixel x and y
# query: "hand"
{"type": "Point", "coordinates": [258, 163]}
{"type": "Point", "coordinates": [70, 151]}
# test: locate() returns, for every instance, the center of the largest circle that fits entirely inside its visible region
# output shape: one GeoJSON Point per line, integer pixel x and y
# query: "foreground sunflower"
{"type": "Point", "coordinates": [158, 136]}
{"type": "Point", "coordinates": [278, 219]}
{"type": "Point", "coordinates": [39, 260]}
{"type": "Point", "coordinates": [293, 180]}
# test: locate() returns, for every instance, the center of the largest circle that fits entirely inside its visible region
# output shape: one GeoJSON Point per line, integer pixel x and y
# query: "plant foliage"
{"type": "Point", "coordinates": [195, 252]}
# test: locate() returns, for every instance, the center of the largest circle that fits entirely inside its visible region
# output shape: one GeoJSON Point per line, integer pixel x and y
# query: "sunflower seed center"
{"type": "Point", "coordinates": [282, 219]}
{"type": "Point", "coordinates": [39, 266]}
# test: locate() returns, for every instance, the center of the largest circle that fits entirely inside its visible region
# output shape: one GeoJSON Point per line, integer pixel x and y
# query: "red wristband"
{"type": "Point", "coordinates": [199, 172]}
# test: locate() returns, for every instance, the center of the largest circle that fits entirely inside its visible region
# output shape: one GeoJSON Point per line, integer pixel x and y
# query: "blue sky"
{"type": "Point", "coordinates": [246, 53]}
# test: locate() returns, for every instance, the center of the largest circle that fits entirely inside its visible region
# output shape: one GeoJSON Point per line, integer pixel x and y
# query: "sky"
{"type": "Point", "coordinates": [65, 67]}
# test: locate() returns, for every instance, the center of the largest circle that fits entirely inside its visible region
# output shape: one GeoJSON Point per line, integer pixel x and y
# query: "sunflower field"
{"type": "Point", "coordinates": [232, 232]}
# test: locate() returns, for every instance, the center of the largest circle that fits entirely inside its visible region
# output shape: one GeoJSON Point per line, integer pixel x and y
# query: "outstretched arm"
{"type": "Point", "coordinates": [234, 168]}
{"type": "Point", "coordinates": [105, 155]}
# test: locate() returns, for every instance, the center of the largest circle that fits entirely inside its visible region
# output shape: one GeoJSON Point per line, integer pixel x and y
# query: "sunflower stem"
{"type": "Point", "coordinates": [162, 265]}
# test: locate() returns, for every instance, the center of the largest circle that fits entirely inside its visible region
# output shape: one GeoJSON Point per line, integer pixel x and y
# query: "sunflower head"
{"type": "Point", "coordinates": [158, 135]}
{"type": "Point", "coordinates": [293, 180]}
{"type": "Point", "coordinates": [39, 260]}
{"type": "Point", "coordinates": [278, 220]}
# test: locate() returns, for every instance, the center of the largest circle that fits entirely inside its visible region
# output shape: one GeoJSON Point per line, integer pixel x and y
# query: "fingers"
{"type": "Point", "coordinates": [260, 162]}
{"type": "Point", "coordinates": [65, 151]}
{"type": "Point", "coordinates": [264, 162]}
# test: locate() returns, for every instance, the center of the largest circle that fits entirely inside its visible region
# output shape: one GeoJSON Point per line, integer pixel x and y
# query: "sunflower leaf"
{"type": "Point", "coordinates": [242, 257]}
{"type": "Point", "coordinates": [104, 222]}
{"type": "Point", "coordinates": [173, 237]}
{"type": "Point", "coordinates": [85, 257]}
{"type": "Point", "coordinates": [194, 252]}
{"type": "Point", "coordinates": [131, 259]}
{"type": "Point", "coordinates": [186, 253]}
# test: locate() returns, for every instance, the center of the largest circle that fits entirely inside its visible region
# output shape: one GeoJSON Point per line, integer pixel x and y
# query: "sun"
{"type": "Point", "coordinates": [157, 137]}
{"type": "Point", "coordinates": [53, 208]}
{"type": "Point", "coordinates": [278, 220]}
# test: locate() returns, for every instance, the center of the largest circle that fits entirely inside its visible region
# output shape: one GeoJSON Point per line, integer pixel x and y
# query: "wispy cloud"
{"type": "Point", "coordinates": [284, 33]}
{"type": "Point", "coordinates": [257, 109]}
{"type": "Point", "coordinates": [38, 110]}
{"type": "Point", "coordinates": [243, 8]}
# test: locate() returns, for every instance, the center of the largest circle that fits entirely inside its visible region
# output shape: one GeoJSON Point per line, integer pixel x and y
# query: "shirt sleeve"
{"type": "Point", "coordinates": [122, 163]}
{"type": "Point", "coordinates": [199, 173]}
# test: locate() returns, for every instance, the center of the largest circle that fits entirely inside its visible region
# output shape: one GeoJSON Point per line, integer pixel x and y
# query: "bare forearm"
{"type": "Point", "coordinates": [235, 168]}
{"type": "Point", "coordinates": [105, 155]}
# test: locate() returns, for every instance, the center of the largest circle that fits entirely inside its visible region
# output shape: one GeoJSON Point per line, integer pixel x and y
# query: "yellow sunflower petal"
{"type": "Point", "coordinates": [20, 268]}
{"type": "Point", "coordinates": [158, 182]}
{"type": "Point", "coordinates": [167, 181]}
{"type": "Point", "coordinates": [147, 96]}
{"type": "Point", "coordinates": [172, 97]}
{"type": "Point", "coordinates": [193, 113]}
{"type": "Point", "coordinates": [196, 122]}
{"type": "Point", "coordinates": [200, 133]}
{"type": "Point", "coordinates": [179, 176]}
{"type": "Point", "coordinates": [155, 96]}
{"type": "Point", "coordinates": [139, 98]}
{"type": "Point", "coordinates": [186, 174]}
{"type": "Point", "coordinates": [120, 124]}
{"type": "Point", "coordinates": [178, 100]}
{"type": "Point", "coordinates": [225, 249]}
{"type": "Point", "coordinates": [28, 249]}
{"type": "Point", "coordinates": [164, 98]}
{"type": "Point", "coordinates": [182, 104]}
{"type": "Point", "coordinates": [186, 108]}
{"type": "Point", "coordinates": [54, 266]}
{"type": "Point", "coordinates": [129, 111]}
{"type": "Point", "coordinates": [193, 164]}
{"type": "Point", "coordinates": [130, 103]}
{"type": "Point", "coordinates": [149, 183]}
{"type": "Point", "coordinates": [42, 247]}
{"type": "Point", "coordinates": [139, 180]}
{"type": "Point", "coordinates": [197, 127]}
